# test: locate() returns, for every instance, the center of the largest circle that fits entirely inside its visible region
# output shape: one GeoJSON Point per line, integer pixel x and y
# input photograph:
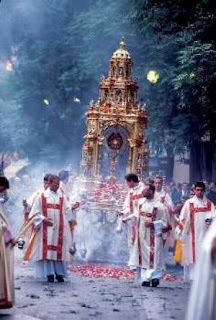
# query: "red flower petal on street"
{"type": "Point", "coordinates": [101, 271]}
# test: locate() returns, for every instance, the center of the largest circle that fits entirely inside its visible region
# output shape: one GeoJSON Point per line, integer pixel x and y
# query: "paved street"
{"type": "Point", "coordinates": [87, 298]}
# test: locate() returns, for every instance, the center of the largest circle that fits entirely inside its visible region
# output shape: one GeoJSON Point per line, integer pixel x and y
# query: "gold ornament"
{"type": "Point", "coordinates": [117, 107]}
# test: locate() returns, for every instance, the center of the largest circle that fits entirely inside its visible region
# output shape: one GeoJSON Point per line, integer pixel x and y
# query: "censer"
{"type": "Point", "coordinates": [83, 252]}
{"type": "Point", "coordinates": [73, 249]}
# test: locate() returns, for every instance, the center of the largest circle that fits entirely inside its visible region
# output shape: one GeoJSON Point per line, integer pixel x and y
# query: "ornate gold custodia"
{"type": "Point", "coordinates": [115, 140]}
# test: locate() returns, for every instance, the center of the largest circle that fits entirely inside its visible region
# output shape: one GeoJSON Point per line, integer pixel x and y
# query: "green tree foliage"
{"type": "Point", "coordinates": [183, 32]}
{"type": "Point", "coordinates": [39, 32]}
{"type": "Point", "coordinates": [62, 50]}
{"type": "Point", "coordinates": [63, 47]}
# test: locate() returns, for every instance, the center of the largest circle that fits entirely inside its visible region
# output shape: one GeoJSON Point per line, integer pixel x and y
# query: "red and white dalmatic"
{"type": "Point", "coordinates": [50, 242]}
{"type": "Point", "coordinates": [192, 227]}
{"type": "Point", "coordinates": [147, 251]}
{"type": "Point", "coordinates": [131, 201]}
{"type": "Point", "coordinates": [164, 198]}
{"type": "Point", "coordinates": [130, 208]}
{"type": "Point", "coordinates": [166, 201]}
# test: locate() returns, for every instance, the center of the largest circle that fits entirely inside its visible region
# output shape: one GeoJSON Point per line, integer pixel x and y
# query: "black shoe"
{"type": "Point", "coordinates": [155, 282]}
{"type": "Point", "coordinates": [50, 278]}
{"type": "Point", "coordinates": [59, 278]}
{"type": "Point", "coordinates": [146, 284]}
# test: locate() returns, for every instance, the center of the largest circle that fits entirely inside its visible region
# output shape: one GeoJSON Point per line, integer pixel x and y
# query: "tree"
{"type": "Point", "coordinates": [59, 60]}
{"type": "Point", "coordinates": [186, 30]}
{"type": "Point", "coordinates": [59, 50]}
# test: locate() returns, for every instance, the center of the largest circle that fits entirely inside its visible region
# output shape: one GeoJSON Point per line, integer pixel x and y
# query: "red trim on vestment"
{"type": "Point", "coordinates": [139, 245]}
{"type": "Point", "coordinates": [194, 210]}
{"type": "Point", "coordinates": [203, 209]}
{"type": "Point", "coordinates": [53, 206]}
{"type": "Point", "coordinates": [146, 214]}
{"type": "Point", "coordinates": [137, 196]}
{"type": "Point", "coordinates": [59, 246]}
{"type": "Point", "coordinates": [152, 236]}
{"type": "Point", "coordinates": [44, 209]}
{"type": "Point", "coordinates": [132, 198]}
{"type": "Point", "coordinates": [26, 215]}
{"type": "Point", "coordinates": [131, 203]}
{"type": "Point", "coordinates": [152, 241]}
{"type": "Point", "coordinates": [181, 226]}
{"type": "Point", "coordinates": [163, 199]}
{"type": "Point", "coordinates": [61, 231]}
{"type": "Point", "coordinates": [5, 304]}
{"type": "Point", "coordinates": [52, 247]}
{"type": "Point", "coordinates": [152, 248]}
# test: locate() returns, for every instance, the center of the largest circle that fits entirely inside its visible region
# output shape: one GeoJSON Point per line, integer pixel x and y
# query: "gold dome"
{"type": "Point", "coordinates": [121, 53]}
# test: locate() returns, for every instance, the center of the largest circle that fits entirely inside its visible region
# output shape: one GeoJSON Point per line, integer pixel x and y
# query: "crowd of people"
{"type": "Point", "coordinates": [159, 218]}
{"type": "Point", "coordinates": [47, 230]}
{"type": "Point", "coordinates": [155, 224]}
{"type": "Point", "coordinates": [182, 191]}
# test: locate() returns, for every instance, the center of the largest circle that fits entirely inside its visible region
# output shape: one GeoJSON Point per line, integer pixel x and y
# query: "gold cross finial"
{"type": "Point", "coordinates": [122, 43]}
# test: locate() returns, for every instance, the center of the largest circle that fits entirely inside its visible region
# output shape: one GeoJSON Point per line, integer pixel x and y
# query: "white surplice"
{"type": "Point", "coordinates": [164, 198]}
{"type": "Point", "coordinates": [147, 250]}
{"type": "Point", "coordinates": [129, 209]}
{"type": "Point", "coordinates": [49, 245]}
{"type": "Point", "coordinates": [168, 237]}
{"type": "Point", "coordinates": [166, 201]}
{"type": "Point", "coordinates": [192, 229]}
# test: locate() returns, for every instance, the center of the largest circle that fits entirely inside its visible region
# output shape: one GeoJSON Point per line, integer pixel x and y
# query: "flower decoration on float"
{"type": "Point", "coordinates": [153, 76]}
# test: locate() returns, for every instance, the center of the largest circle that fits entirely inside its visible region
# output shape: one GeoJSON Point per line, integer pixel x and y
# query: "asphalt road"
{"type": "Point", "coordinates": [88, 298]}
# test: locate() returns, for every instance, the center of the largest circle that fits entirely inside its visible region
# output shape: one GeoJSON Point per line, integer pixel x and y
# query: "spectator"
{"type": "Point", "coordinates": [176, 193]}
{"type": "Point", "coordinates": [184, 191]}
{"type": "Point", "coordinates": [211, 195]}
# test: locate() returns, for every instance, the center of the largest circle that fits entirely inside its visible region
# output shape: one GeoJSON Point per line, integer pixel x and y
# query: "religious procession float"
{"type": "Point", "coordinates": [114, 145]}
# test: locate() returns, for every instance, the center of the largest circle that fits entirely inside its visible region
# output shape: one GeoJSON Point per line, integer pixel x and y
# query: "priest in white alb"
{"type": "Point", "coordinates": [130, 203]}
{"type": "Point", "coordinates": [161, 194]}
{"type": "Point", "coordinates": [51, 239]}
{"type": "Point", "coordinates": [147, 251]}
{"type": "Point", "coordinates": [194, 218]}
{"type": "Point", "coordinates": [164, 198]}
{"type": "Point", "coordinates": [27, 204]}
{"type": "Point", "coordinates": [168, 233]}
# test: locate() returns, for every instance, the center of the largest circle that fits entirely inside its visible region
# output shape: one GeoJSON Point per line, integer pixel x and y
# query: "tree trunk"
{"type": "Point", "coordinates": [213, 178]}
{"type": "Point", "coordinates": [169, 168]}
{"type": "Point", "coordinates": [203, 161]}
{"type": "Point", "coordinates": [195, 162]}
{"type": "Point", "coordinates": [207, 157]}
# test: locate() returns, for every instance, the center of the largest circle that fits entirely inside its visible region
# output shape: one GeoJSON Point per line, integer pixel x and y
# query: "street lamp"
{"type": "Point", "coordinates": [8, 66]}
{"type": "Point", "coordinates": [46, 101]}
{"type": "Point", "coordinates": [153, 76]}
